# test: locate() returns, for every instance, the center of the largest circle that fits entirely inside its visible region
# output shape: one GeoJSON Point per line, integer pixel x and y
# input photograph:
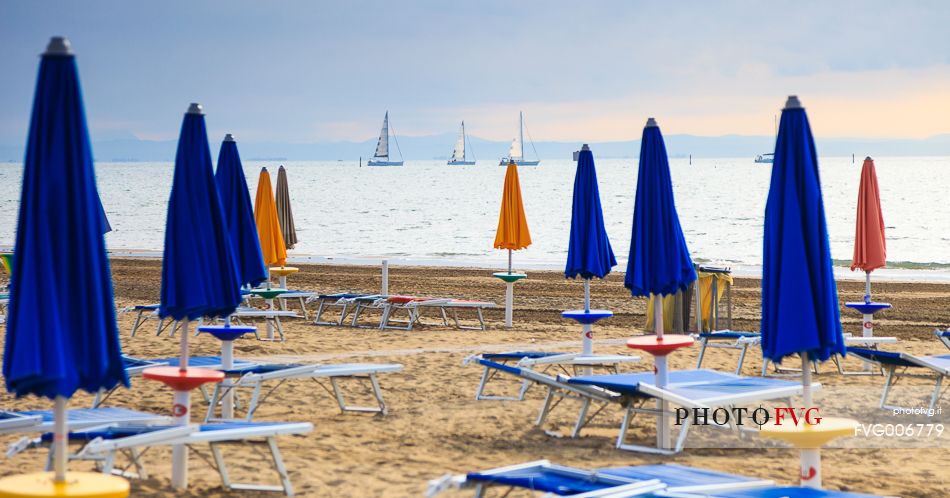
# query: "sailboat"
{"type": "Point", "coordinates": [458, 153]}
{"type": "Point", "coordinates": [768, 158]}
{"type": "Point", "coordinates": [516, 151]}
{"type": "Point", "coordinates": [381, 157]}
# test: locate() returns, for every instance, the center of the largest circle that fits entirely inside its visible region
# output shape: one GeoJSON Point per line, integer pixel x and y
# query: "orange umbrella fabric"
{"type": "Point", "coordinates": [870, 248]}
{"type": "Point", "coordinates": [268, 225]}
{"type": "Point", "coordinates": [512, 230]}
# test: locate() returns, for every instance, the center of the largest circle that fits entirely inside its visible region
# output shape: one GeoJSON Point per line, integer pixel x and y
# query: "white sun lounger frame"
{"type": "Point", "coordinates": [894, 373]}
{"type": "Point", "coordinates": [363, 372]}
{"type": "Point", "coordinates": [13, 422]}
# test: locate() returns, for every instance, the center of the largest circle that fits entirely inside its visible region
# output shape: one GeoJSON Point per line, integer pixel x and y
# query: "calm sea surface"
{"type": "Point", "coordinates": [427, 212]}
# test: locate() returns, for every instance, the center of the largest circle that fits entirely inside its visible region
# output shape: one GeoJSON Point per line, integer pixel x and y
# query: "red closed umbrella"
{"type": "Point", "coordinates": [870, 248]}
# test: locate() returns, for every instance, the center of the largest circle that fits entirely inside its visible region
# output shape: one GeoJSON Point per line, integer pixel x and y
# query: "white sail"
{"type": "Point", "coordinates": [458, 154]}
{"type": "Point", "coordinates": [382, 147]}
{"type": "Point", "coordinates": [514, 152]}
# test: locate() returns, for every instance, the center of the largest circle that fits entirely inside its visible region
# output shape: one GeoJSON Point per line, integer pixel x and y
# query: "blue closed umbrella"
{"type": "Point", "coordinates": [61, 331]}
{"type": "Point", "coordinates": [799, 295]}
{"type": "Point", "coordinates": [199, 275]}
{"type": "Point", "coordinates": [659, 261]}
{"type": "Point", "coordinates": [589, 253]}
{"type": "Point", "coordinates": [239, 214]}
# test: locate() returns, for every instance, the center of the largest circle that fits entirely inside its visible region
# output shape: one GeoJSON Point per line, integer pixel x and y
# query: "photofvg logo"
{"type": "Point", "coordinates": [760, 416]}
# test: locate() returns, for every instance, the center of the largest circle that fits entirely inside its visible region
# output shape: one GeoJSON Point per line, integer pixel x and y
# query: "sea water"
{"type": "Point", "coordinates": [429, 213]}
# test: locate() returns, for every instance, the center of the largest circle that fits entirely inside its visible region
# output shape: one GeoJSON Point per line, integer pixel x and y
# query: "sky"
{"type": "Point", "coordinates": [312, 71]}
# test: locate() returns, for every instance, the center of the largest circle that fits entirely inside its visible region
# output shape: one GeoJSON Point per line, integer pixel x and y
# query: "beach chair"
{"type": "Point", "coordinates": [103, 444]}
{"type": "Point", "coordinates": [865, 343]}
{"type": "Point", "coordinates": [687, 388]}
{"type": "Point", "coordinates": [567, 363]}
{"type": "Point", "coordinates": [262, 379]}
{"type": "Point", "coordinates": [898, 366]}
{"type": "Point", "coordinates": [727, 339]}
{"type": "Point", "coordinates": [302, 297]}
{"type": "Point", "coordinates": [341, 300]}
{"type": "Point", "coordinates": [659, 480]}
{"type": "Point", "coordinates": [943, 336]}
{"type": "Point", "coordinates": [415, 306]}
{"type": "Point", "coordinates": [76, 418]}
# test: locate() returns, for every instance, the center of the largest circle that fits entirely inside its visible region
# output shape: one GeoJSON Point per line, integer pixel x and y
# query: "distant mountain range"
{"type": "Point", "coordinates": [440, 147]}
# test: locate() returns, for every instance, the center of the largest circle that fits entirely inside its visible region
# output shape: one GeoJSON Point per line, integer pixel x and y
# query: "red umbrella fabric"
{"type": "Point", "coordinates": [870, 248]}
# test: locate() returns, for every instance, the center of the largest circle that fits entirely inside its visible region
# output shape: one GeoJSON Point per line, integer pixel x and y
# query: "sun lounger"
{"type": "Point", "coordinates": [727, 339]}
{"type": "Point", "coordinates": [301, 296]}
{"type": "Point", "coordinates": [943, 336]}
{"type": "Point", "coordinates": [865, 343]}
{"type": "Point", "coordinates": [415, 306]}
{"type": "Point", "coordinates": [342, 300]}
{"type": "Point", "coordinates": [687, 388]}
{"type": "Point", "coordinates": [103, 444]}
{"type": "Point", "coordinates": [255, 376]}
{"type": "Point", "coordinates": [567, 363]}
{"type": "Point", "coordinates": [77, 418]}
{"type": "Point", "coordinates": [903, 365]}
{"type": "Point", "coordinates": [146, 312]}
{"type": "Point", "coordinates": [660, 480]}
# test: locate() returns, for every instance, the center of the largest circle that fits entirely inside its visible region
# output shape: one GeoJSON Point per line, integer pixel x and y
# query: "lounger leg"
{"type": "Point", "coordinates": [303, 308]}
{"type": "Point", "coordinates": [745, 347]}
{"type": "Point", "coordinates": [338, 394]}
{"type": "Point", "coordinates": [138, 321]}
{"type": "Point", "coordinates": [255, 398]}
{"type": "Point", "coordinates": [702, 352]}
{"type": "Point", "coordinates": [545, 408]}
{"type": "Point", "coordinates": [481, 385]}
{"type": "Point", "coordinates": [316, 319]}
{"type": "Point", "coordinates": [936, 394]}
{"type": "Point", "coordinates": [222, 466]}
{"type": "Point", "coordinates": [585, 405]}
{"type": "Point", "coordinates": [378, 393]}
{"type": "Point", "coordinates": [279, 465]}
{"type": "Point", "coordinates": [888, 379]}
{"type": "Point", "coordinates": [525, 385]}
{"type": "Point", "coordinates": [624, 425]}
{"type": "Point", "coordinates": [681, 439]}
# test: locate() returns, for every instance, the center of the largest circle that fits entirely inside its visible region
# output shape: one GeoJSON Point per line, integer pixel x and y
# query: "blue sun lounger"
{"type": "Point", "coordinates": [944, 336]}
{"type": "Point", "coordinates": [903, 365]}
{"type": "Point", "coordinates": [567, 363]}
{"type": "Point", "coordinates": [662, 480]}
{"type": "Point", "coordinates": [76, 418]}
{"type": "Point", "coordinates": [253, 375]}
{"type": "Point", "coordinates": [687, 388]}
{"type": "Point", "coordinates": [102, 444]}
{"type": "Point", "coordinates": [727, 339]}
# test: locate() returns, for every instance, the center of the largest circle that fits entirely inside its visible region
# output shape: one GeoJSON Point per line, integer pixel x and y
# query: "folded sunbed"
{"type": "Point", "coordinates": [903, 365]}
{"type": "Point", "coordinates": [727, 339]}
{"type": "Point", "coordinates": [567, 363]}
{"type": "Point", "coordinates": [102, 444]}
{"type": "Point", "coordinates": [687, 388]}
{"type": "Point", "coordinates": [255, 376]}
{"type": "Point", "coordinates": [661, 480]}
{"type": "Point", "coordinates": [146, 312]}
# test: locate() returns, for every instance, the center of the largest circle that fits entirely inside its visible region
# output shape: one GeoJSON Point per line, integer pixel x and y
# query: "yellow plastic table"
{"type": "Point", "coordinates": [282, 272]}
{"type": "Point", "coordinates": [78, 484]}
{"type": "Point", "coordinates": [811, 436]}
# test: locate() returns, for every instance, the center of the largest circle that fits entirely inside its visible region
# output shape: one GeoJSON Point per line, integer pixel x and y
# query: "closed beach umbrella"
{"type": "Point", "coordinates": [61, 333]}
{"type": "Point", "coordinates": [268, 225]}
{"type": "Point", "coordinates": [238, 214]}
{"type": "Point", "coordinates": [284, 214]}
{"type": "Point", "coordinates": [589, 253]}
{"type": "Point", "coordinates": [659, 262]}
{"type": "Point", "coordinates": [512, 233]}
{"type": "Point", "coordinates": [870, 247]}
{"type": "Point", "coordinates": [199, 273]}
{"type": "Point", "coordinates": [799, 296]}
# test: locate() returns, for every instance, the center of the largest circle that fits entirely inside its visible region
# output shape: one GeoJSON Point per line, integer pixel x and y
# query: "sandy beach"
{"type": "Point", "coordinates": [436, 427]}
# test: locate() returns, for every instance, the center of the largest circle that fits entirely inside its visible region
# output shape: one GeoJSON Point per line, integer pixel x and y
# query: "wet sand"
{"type": "Point", "coordinates": [436, 427]}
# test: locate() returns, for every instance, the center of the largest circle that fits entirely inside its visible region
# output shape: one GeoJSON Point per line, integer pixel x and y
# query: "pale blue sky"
{"type": "Point", "coordinates": [308, 71]}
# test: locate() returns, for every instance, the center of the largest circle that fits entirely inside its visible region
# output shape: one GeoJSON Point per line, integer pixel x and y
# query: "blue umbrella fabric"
{"type": "Point", "coordinates": [659, 260]}
{"type": "Point", "coordinates": [589, 253]}
{"type": "Point", "coordinates": [799, 295]}
{"type": "Point", "coordinates": [199, 274]}
{"type": "Point", "coordinates": [239, 214]}
{"type": "Point", "coordinates": [61, 330]}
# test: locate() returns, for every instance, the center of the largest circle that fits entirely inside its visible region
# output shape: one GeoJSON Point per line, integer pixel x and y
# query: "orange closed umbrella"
{"type": "Point", "coordinates": [268, 225]}
{"type": "Point", "coordinates": [512, 233]}
{"type": "Point", "coordinates": [870, 248]}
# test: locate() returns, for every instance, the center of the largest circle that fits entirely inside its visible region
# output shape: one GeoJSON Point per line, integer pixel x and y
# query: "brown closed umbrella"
{"type": "Point", "coordinates": [284, 214]}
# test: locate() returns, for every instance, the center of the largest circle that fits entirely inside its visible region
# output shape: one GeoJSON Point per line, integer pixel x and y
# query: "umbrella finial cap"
{"type": "Point", "coordinates": [58, 45]}
{"type": "Point", "coordinates": [793, 102]}
{"type": "Point", "coordinates": [585, 147]}
{"type": "Point", "coordinates": [228, 137]}
{"type": "Point", "coordinates": [651, 123]}
{"type": "Point", "coordinates": [195, 108]}
{"type": "Point", "coordinates": [868, 158]}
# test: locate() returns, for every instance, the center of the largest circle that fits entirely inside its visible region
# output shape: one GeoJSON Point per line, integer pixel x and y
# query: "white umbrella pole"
{"type": "Point", "coordinates": [588, 329]}
{"type": "Point", "coordinates": [662, 378]}
{"type": "Point", "coordinates": [181, 413]}
{"type": "Point", "coordinates": [60, 438]}
{"type": "Point", "coordinates": [384, 290]}
{"type": "Point", "coordinates": [810, 457]}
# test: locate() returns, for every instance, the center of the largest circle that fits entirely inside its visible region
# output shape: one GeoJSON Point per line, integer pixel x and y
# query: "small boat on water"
{"type": "Point", "coordinates": [516, 151]}
{"type": "Point", "coordinates": [381, 157]}
{"type": "Point", "coordinates": [766, 158]}
{"type": "Point", "coordinates": [458, 153]}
